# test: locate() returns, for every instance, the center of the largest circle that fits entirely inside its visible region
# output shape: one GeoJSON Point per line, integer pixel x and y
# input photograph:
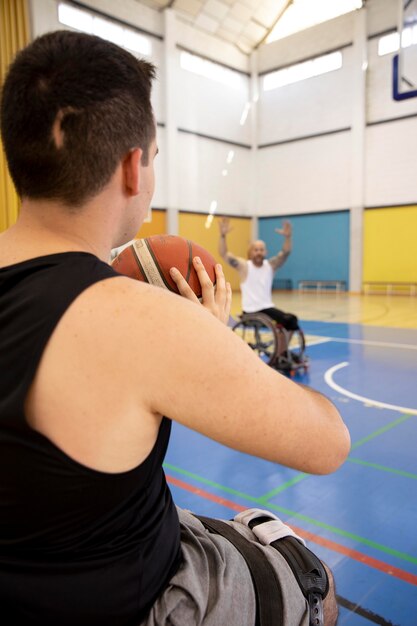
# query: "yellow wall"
{"type": "Point", "coordinates": [156, 226]}
{"type": "Point", "coordinates": [390, 237]}
{"type": "Point", "coordinates": [14, 35]}
{"type": "Point", "coordinates": [192, 226]}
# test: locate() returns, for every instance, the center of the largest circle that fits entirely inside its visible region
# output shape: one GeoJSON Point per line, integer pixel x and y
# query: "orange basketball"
{"type": "Point", "coordinates": [150, 260]}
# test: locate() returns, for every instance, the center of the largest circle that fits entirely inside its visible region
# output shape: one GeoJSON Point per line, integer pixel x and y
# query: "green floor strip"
{"type": "Point", "coordinates": [344, 533]}
{"type": "Point", "coordinates": [283, 487]}
{"type": "Point", "coordinates": [205, 481]}
{"type": "Point", "coordinates": [337, 531]}
{"type": "Point", "coordinates": [380, 431]}
{"type": "Point", "coordinates": [382, 468]}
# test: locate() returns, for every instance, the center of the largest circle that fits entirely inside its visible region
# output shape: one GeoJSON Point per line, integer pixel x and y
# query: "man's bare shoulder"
{"type": "Point", "coordinates": [125, 298]}
{"type": "Point", "coordinates": [121, 309]}
{"type": "Point", "coordinates": [124, 341]}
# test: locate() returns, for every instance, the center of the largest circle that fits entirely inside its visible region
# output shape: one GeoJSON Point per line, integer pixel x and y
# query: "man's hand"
{"type": "Point", "coordinates": [216, 299]}
{"type": "Point", "coordinates": [224, 226]}
{"type": "Point", "coordinates": [286, 229]}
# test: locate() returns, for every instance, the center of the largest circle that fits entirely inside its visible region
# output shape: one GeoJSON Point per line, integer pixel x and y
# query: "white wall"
{"type": "Point", "coordinates": [307, 175]}
{"type": "Point", "coordinates": [158, 88]}
{"type": "Point", "coordinates": [201, 42]}
{"type": "Point", "coordinates": [188, 168]}
{"type": "Point", "coordinates": [380, 103]}
{"type": "Point", "coordinates": [373, 164]}
{"type": "Point", "coordinates": [330, 102]}
{"type": "Point", "coordinates": [391, 158]}
{"type": "Point", "coordinates": [307, 178]}
{"type": "Point", "coordinates": [200, 180]}
{"type": "Point", "coordinates": [44, 18]}
{"type": "Point", "coordinates": [212, 108]}
{"type": "Point", "coordinates": [391, 151]}
{"type": "Point", "coordinates": [312, 175]}
{"type": "Point", "coordinates": [160, 196]}
{"type": "Point", "coordinates": [44, 15]}
{"type": "Point", "coordinates": [382, 15]}
{"type": "Point", "coordinates": [313, 106]}
{"type": "Point", "coordinates": [306, 44]}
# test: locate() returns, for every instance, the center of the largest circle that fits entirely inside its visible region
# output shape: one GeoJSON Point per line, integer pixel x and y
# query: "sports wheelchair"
{"type": "Point", "coordinates": [271, 342]}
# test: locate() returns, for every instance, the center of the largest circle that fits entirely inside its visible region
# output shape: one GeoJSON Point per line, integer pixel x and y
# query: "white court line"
{"type": "Point", "coordinates": [315, 340]}
{"type": "Point", "coordinates": [328, 377]}
{"type": "Point", "coordinates": [366, 342]}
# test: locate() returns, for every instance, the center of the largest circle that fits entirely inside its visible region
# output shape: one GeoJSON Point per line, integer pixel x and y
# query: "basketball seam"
{"type": "Point", "coordinates": [158, 267]}
{"type": "Point", "coordinates": [142, 269]}
{"type": "Point", "coordinates": [190, 260]}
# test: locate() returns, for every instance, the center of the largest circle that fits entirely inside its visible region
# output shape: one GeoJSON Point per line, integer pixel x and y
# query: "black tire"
{"type": "Point", "coordinates": [260, 333]}
{"type": "Point", "coordinates": [297, 348]}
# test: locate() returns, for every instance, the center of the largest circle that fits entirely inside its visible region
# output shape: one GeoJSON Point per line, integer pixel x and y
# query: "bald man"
{"type": "Point", "coordinates": [257, 273]}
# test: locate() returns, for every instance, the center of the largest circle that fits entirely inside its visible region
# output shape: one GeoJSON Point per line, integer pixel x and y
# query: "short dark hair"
{"type": "Point", "coordinates": [72, 106]}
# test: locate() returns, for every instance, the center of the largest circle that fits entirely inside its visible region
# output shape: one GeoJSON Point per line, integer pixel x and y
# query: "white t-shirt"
{"type": "Point", "coordinates": [257, 288]}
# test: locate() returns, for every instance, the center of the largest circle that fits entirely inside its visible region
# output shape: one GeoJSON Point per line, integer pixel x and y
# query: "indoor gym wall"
{"type": "Point", "coordinates": [390, 245]}
{"type": "Point", "coordinates": [192, 226]}
{"type": "Point", "coordinates": [157, 225]}
{"type": "Point", "coordinates": [320, 246]}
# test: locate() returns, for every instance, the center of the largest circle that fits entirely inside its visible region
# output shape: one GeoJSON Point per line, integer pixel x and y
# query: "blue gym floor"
{"type": "Point", "coordinates": [361, 520]}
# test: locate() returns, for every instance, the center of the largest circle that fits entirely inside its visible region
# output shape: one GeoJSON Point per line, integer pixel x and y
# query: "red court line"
{"type": "Point", "coordinates": [305, 534]}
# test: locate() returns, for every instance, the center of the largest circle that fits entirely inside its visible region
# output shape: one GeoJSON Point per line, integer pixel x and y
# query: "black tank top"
{"type": "Point", "coordinates": [77, 546]}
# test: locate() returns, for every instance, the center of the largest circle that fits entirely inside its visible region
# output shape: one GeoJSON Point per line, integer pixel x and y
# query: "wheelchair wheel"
{"type": "Point", "coordinates": [294, 359]}
{"type": "Point", "coordinates": [259, 332]}
{"type": "Point", "coordinates": [297, 349]}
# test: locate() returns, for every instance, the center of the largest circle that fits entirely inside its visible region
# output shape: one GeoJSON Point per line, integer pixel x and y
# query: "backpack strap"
{"type": "Point", "coordinates": [269, 606]}
{"type": "Point", "coordinates": [307, 568]}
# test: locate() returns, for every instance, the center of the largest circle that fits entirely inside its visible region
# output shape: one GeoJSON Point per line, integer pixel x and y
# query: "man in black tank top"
{"type": "Point", "coordinates": [95, 365]}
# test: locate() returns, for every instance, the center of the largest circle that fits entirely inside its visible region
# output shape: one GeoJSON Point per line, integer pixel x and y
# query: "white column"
{"type": "Point", "coordinates": [171, 133]}
{"type": "Point", "coordinates": [254, 99]}
{"type": "Point", "coordinates": [358, 147]}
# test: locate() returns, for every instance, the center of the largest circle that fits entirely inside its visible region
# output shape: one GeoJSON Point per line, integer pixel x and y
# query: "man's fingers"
{"type": "Point", "coordinates": [220, 279]}
{"type": "Point", "coordinates": [207, 289]}
{"type": "Point", "coordinates": [216, 299]}
{"type": "Point", "coordinates": [182, 285]}
{"type": "Point", "coordinates": [228, 303]}
{"type": "Point", "coordinates": [223, 295]}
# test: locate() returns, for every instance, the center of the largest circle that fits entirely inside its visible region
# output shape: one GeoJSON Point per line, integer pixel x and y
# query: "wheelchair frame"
{"type": "Point", "coordinates": [270, 341]}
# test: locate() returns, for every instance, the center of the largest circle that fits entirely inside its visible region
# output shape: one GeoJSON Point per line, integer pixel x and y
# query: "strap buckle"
{"type": "Point", "coordinates": [315, 603]}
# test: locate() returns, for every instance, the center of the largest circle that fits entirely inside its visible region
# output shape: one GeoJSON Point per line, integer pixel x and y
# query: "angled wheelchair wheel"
{"type": "Point", "coordinates": [297, 349]}
{"type": "Point", "coordinates": [293, 359]}
{"type": "Point", "coordinates": [259, 332]}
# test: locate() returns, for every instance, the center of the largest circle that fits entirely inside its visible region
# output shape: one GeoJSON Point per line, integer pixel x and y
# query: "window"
{"type": "Point", "coordinates": [391, 43]}
{"type": "Point", "coordinates": [214, 71]}
{"type": "Point", "coordinates": [301, 71]}
{"type": "Point", "coordinates": [388, 43]}
{"type": "Point", "coordinates": [76, 18]}
{"type": "Point", "coordinates": [87, 22]}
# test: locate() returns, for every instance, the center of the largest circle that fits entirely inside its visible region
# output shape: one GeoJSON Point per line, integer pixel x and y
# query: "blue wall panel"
{"type": "Point", "coordinates": [320, 246]}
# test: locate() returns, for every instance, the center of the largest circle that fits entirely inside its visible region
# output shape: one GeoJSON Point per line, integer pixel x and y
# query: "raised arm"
{"type": "Point", "coordinates": [279, 259]}
{"type": "Point", "coordinates": [236, 262]}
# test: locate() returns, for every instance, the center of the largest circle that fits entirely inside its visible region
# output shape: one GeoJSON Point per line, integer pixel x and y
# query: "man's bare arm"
{"type": "Point", "coordinates": [279, 259]}
{"type": "Point", "coordinates": [294, 426]}
{"type": "Point", "coordinates": [201, 375]}
{"type": "Point", "coordinates": [236, 262]}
